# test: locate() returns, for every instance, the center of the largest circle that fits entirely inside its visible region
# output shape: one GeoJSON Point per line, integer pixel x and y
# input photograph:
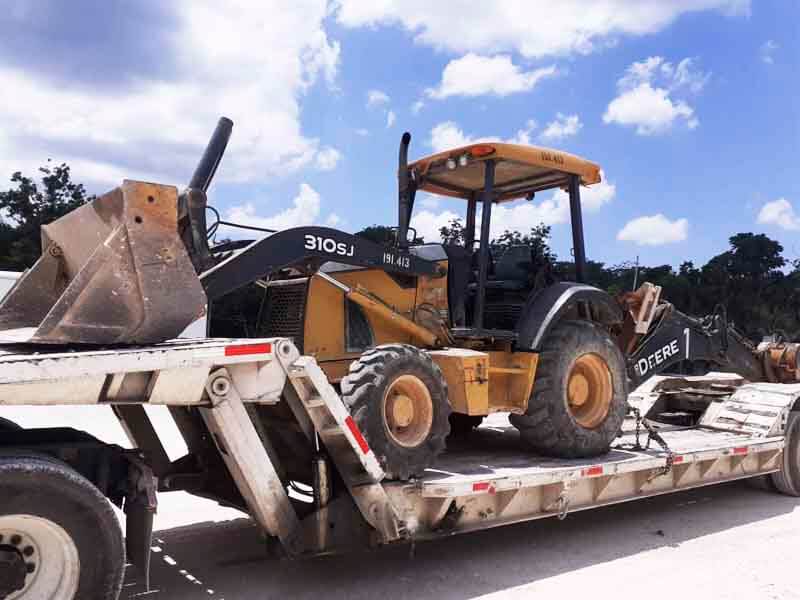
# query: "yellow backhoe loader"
{"type": "Point", "coordinates": [418, 338]}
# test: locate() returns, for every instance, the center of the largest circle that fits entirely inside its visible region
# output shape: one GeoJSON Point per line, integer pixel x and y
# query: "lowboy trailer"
{"type": "Point", "coordinates": [234, 402]}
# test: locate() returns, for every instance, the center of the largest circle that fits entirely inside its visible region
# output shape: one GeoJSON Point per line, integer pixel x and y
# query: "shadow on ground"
{"type": "Point", "coordinates": [227, 561]}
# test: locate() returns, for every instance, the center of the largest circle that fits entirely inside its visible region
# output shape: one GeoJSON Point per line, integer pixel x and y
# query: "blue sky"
{"type": "Point", "coordinates": [690, 107]}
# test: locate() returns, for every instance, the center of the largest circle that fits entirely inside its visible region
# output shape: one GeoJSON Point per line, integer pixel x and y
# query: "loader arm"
{"type": "Point", "coordinates": [307, 248]}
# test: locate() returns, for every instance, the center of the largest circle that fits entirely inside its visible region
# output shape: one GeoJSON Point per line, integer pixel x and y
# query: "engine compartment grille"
{"type": "Point", "coordinates": [284, 310]}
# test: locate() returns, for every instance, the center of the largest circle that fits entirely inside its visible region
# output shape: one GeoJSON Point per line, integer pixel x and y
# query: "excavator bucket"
{"type": "Point", "coordinates": [112, 271]}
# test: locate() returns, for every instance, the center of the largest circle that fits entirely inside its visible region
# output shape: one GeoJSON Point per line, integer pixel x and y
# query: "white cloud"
{"type": "Point", "coordinates": [333, 220]}
{"type": "Point", "coordinates": [523, 136]}
{"type": "Point", "coordinates": [563, 126]}
{"type": "Point", "coordinates": [654, 230]}
{"type": "Point", "coordinates": [417, 106]}
{"type": "Point", "coordinates": [767, 50]}
{"type": "Point", "coordinates": [649, 109]}
{"type": "Point", "coordinates": [779, 212]}
{"type": "Point", "coordinates": [255, 68]}
{"type": "Point", "coordinates": [390, 118]}
{"type": "Point", "coordinates": [376, 98]}
{"type": "Point", "coordinates": [305, 210]}
{"type": "Point", "coordinates": [647, 96]}
{"type": "Point", "coordinates": [534, 28]}
{"type": "Point", "coordinates": [328, 158]}
{"type": "Point", "coordinates": [427, 223]}
{"type": "Point", "coordinates": [448, 135]}
{"type": "Point", "coordinates": [362, 132]}
{"type": "Point", "coordinates": [474, 75]}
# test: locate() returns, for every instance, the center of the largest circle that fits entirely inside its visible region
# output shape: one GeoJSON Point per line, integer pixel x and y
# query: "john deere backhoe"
{"type": "Point", "coordinates": [419, 338]}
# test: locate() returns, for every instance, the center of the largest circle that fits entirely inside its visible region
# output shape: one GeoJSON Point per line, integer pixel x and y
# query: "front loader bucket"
{"type": "Point", "coordinates": [113, 271]}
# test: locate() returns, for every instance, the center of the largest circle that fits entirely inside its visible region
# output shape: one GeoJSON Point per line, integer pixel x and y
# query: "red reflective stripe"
{"type": "Point", "coordinates": [677, 459]}
{"type": "Point", "coordinates": [595, 470]}
{"type": "Point", "coordinates": [740, 450]}
{"type": "Point", "coordinates": [362, 443]}
{"type": "Point", "coordinates": [480, 487]}
{"type": "Point", "coordinates": [245, 349]}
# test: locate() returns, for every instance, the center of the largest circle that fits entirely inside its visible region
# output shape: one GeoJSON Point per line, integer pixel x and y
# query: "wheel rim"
{"type": "Point", "coordinates": [51, 556]}
{"type": "Point", "coordinates": [408, 411]}
{"type": "Point", "coordinates": [589, 390]}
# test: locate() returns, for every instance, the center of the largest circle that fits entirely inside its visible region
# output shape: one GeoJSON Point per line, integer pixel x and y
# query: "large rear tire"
{"type": "Point", "coordinates": [60, 538]}
{"type": "Point", "coordinates": [580, 395]}
{"type": "Point", "coordinates": [398, 398]}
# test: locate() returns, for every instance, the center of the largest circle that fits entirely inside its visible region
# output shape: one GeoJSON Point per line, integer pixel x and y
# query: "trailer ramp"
{"type": "Point", "coordinates": [346, 446]}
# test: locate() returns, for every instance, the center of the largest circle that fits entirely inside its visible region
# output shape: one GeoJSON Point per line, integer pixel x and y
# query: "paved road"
{"type": "Point", "coordinates": [724, 542]}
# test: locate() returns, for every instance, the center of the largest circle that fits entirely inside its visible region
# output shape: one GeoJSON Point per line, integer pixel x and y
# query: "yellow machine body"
{"type": "Point", "coordinates": [480, 380]}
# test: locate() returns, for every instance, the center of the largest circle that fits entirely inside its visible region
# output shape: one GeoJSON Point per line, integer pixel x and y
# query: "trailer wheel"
{"type": "Point", "coordinates": [787, 480]}
{"type": "Point", "coordinates": [397, 396]}
{"type": "Point", "coordinates": [579, 397]}
{"type": "Point", "coordinates": [59, 537]}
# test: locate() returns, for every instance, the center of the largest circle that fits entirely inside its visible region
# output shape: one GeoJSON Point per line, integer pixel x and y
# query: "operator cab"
{"type": "Point", "coordinates": [491, 173]}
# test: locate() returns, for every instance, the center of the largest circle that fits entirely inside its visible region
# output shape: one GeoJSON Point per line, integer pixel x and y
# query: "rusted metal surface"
{"type": "Point", "coordinates": [113, 271]}
{"type": "Point", "coordinates": [780, 361]}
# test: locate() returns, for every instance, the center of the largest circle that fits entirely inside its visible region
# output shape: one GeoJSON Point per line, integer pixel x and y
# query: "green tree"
{"type": "Point", "coordinates": [453, 234]}
{"type": "Point", "coordinates": [28, 205]}
{"type": "Point", "coordinates": [538, 239]}
{"type": "Point", "coordinates": [381, 234]}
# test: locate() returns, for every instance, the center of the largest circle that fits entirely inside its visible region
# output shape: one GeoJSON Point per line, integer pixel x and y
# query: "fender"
{"type": "Point", "coordinates": [545, 308]}
{"type": "Point", "coordinates": [308, 246]}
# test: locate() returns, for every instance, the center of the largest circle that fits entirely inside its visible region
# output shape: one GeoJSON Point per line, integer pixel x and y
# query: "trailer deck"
{"type": "Point", "coordinates": [484, 479]}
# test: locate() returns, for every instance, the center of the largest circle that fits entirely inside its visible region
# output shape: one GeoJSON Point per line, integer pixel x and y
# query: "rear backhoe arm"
{"type": "Point", "coordinates": [658, 337]}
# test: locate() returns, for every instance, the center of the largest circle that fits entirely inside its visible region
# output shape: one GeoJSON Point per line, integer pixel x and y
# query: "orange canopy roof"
{"type": "Point", "coordinates": [519, 170]}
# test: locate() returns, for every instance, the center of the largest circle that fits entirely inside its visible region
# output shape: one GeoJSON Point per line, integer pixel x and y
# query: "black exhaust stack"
{"type": "Point", "coordinates": [192, 202]}
{"type": "Point", "coordinates": [405, 193]}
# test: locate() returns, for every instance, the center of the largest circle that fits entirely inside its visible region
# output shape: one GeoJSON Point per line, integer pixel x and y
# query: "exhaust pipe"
{"type": "Point", "coordinates": [404, 199]}
{"type": "Point", "coordinates": [192, 202]}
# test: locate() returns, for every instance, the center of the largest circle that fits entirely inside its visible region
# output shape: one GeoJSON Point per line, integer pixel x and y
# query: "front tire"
{"type": "Point", "coordinates": [397, 396]}
{"type": "Point", "coordinates": [580, 395]}
{"type": "Point", "coordinates": [60, 538]}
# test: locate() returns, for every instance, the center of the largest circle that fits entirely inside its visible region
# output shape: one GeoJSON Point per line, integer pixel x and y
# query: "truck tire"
{"type": "Point", "coordinates": [580, 395]}
{"type": "Point", "coordinates": [397, 396]}
{"type": "Point", "coordinates": [787, 480]}
{"type": "Point", "coordinates": [59, 537]}
{"type": "Point", "coordinates": [8, 425]}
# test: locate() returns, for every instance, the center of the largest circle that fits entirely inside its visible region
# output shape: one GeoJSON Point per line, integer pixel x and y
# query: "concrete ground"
{"type": "Point", "coordinates": [724, 542]}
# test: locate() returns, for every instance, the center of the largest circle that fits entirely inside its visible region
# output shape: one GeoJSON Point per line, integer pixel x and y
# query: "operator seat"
{"type": "Point", "coordinates": [513, 270]}
{"type": "Point", "coordinates": [459, 275]}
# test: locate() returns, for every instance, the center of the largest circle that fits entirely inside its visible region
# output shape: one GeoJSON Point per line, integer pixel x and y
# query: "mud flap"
{"type": "Point", "coordinates": [140, 508]}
